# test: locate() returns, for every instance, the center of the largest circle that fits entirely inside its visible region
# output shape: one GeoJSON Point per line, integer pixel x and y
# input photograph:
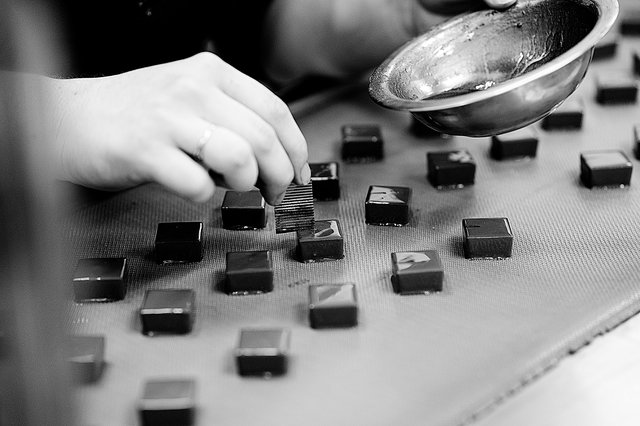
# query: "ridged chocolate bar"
{"type": "Point", "coordinates": [295, 213]}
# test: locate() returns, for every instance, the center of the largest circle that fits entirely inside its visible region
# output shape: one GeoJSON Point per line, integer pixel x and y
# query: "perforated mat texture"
{"type": "Point", "coordinates": [439, 359]}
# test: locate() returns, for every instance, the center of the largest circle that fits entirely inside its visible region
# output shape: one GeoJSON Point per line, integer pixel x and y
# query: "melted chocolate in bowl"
{"type": "Point", "coordinates": [544, 43]}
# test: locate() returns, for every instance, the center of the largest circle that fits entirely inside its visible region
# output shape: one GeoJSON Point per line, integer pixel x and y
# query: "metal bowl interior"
{"type": "Point", "coordinates": [478, 58]}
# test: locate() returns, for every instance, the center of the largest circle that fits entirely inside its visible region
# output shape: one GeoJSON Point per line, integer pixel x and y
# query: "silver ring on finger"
{"type": "Point", "coordinates": [202, 142]}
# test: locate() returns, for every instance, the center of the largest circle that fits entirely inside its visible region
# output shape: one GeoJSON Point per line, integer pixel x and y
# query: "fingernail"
{"type": "Point", "coordinates": [278, 199]}
{"type": "Point", "coordinates": [305, 174]}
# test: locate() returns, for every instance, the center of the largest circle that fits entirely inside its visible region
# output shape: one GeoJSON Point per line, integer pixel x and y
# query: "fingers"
{"type": "Point", "coordinates": [272, 110]}
{"type": "Point", "coordinates": [220, 149]}
{"type": "Point", "coordinates": [180, 174]}
{"type": "Point", "coordinates": [274, 165]}
{"type": "Point", "coordinates": [500, 4]}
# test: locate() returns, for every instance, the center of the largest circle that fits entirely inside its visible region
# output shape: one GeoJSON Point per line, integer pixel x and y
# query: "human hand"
{"type": "Point", "coordinates": [121, 131]}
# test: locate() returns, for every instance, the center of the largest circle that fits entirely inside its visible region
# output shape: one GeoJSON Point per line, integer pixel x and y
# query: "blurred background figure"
{"type": "Point", "coordinates": [35, 389]}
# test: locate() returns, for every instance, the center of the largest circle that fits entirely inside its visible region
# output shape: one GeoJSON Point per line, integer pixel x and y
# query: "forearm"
{"type": "Point", "coordinates": [336, 38]}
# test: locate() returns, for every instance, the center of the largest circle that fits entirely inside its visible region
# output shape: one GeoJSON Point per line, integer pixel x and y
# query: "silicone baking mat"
{"type": "Point", "coordinates": [439, 359]}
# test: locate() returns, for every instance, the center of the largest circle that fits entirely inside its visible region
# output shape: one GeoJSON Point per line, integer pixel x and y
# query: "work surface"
{"type": "Point", "coordinates": [440, 359]}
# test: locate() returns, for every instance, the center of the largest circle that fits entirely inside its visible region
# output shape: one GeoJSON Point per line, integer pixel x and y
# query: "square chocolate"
{"type": "Point", "coordinates": [99, 279]}
{"type": "Point", "coordinates": [416, 272]}
{"type": "Point", "coordinates": [263, 352]}
{"type": "Point", "coordinates": [605, 168]}
{"type": "Point", "coordinates": [636, 62]}
{"type": "Point", "coordinates": [520, 143]}
{"type": "Point", "coordinates": [387, 205]}
{"type": "Point", "coordinates": [86, 357]}
{"type": "Point", "coordinates": [333, 305]}
{"type": "Point", "coordinates": [630, 22]}
{"type": "Point", "coordinates": [168, 402]}
{"type": "Point", "coordinates": [296, 211]}
{"type": "Point", "coordinates": [243, 210]}
{"type": "Point", "coordinates": [167, 311]}
{"type": "Point", "coordinates": [487, 238]}
{"type": "Point", "coordinates": [325, 180]}
{"type": "Point", "coordinates": [179, 242]}
{"type": "Point", "coordinates": [607, 46]}
{"type": "Point", "coordinates": [324, 242]}
{"type": "Point", "coordinates": [616, 88]}
{"type": "Point", "coordinates": [567, 116]}
{"type": "Point", "coordinates": [362, 143]}
{"type": "Point", "coordinates": [636, 141]}
{"type": "Point", "coordinates": [249, 272]}
{"type": "Point", "coordinates": [447, 169]}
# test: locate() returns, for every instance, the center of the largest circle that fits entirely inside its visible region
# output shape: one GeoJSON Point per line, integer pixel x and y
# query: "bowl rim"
{"type": "Point", "coordinates": [378, 82]}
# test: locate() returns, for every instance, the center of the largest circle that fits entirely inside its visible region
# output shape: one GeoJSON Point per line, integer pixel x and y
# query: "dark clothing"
{"type": "Point", "coordinates": [107, 37]}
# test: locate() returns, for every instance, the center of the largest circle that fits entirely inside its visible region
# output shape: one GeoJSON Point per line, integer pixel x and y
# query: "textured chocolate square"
{"type": "Point", "coordinates": [616, 88]}
{"type": "Point", "coordinates": [100, 279]}
{"type": "Point", "coordinates": [249, 272]}
{"type": "Point", "coordinates": [630, 22]}
{"type": "Point", "coordinates": [387, 205]}
{"type": "Point", "coordinates": [167, 311]}
{"type": "Point", "coordinates": [168, 402]}
{"type": "Point", "coordinates": [487, 238]}
{"type": "Point", "coordinates": [636, 62]}
{"type": "Point", "coordinates": [325, 180]}
{"type": "Point", "coordinates": [179, 242]}
{"type": "Point", "coordinates": [243, 210]}
{"type": "Point", "coordinates": [296, 211]}
{"type": "Point", "coordinates": [86, 357]}
{"type": "Point", "coordinates": [333, 305]}
{"type": "Point", "coordinates": [324, 242]}
{"type": "Point", "coordinates": [263, 352]}
{"type": "Point", "coordinates": [607, 46]}
{"type": "Point", "coordinates": [568, 115]}
{"type": "Point", "coordinates": [362, 143]}
{"type": "Point", "coordinates": [517, 144]}
{"type": "Point", "coordinates": [416, 272]}
{"type": "Point", "coordinates": [446, 169]}
{"type": "Point", "coordinates": [605, 168]}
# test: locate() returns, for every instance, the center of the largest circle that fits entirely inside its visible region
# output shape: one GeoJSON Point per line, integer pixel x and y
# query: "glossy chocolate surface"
{"type": "Point", "coordinates": [362, 143]}
{"type": "Point", "coordinates": [387, 205]}
{"type": "Point", "coordinates": [605, 168]}
{"type": "Point", "coordinates": [487, 238]}
{"type": "Point", "coordinates": [446, 169]}
{"type": "Point", "coordinates": [99, 279]}
{"type": "Point", "coordinates": [568, 115]}
{"type": "Point", "coordinates": [179, 242]}
{"type": "Point", "coordinates": [333, 305]}
{"type": "Point", "coordinates": [324, 242]}
{"type": "Point", "coordinates": [616, 88]}
{"type": "Point", "coordinates": [86, 357]}
{"type": "Point", "coordinates": [167, 311]}
{"type": "Point", "coordinates": [262, 352]}
{"type": "Point", "coordinates": [517, 144]}
{"type": "Point", "coordinates": [168, 402]}
{"type": "Point", "coordinates": [325, 180]}
{"type": "Point", "coordinates": [249, 272]}
{"type": "Point", "coordinates": [243, 210]}
{"type": "Point", "coordinates": [417, 272]}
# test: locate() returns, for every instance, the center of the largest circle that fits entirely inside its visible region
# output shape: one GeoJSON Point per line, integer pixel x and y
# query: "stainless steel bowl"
{"type": "Point", "coordinates": [490, 72]}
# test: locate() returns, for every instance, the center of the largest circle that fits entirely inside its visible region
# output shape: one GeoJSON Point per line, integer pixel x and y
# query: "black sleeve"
{"type": "Point", "coordinates": [111, 36]}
